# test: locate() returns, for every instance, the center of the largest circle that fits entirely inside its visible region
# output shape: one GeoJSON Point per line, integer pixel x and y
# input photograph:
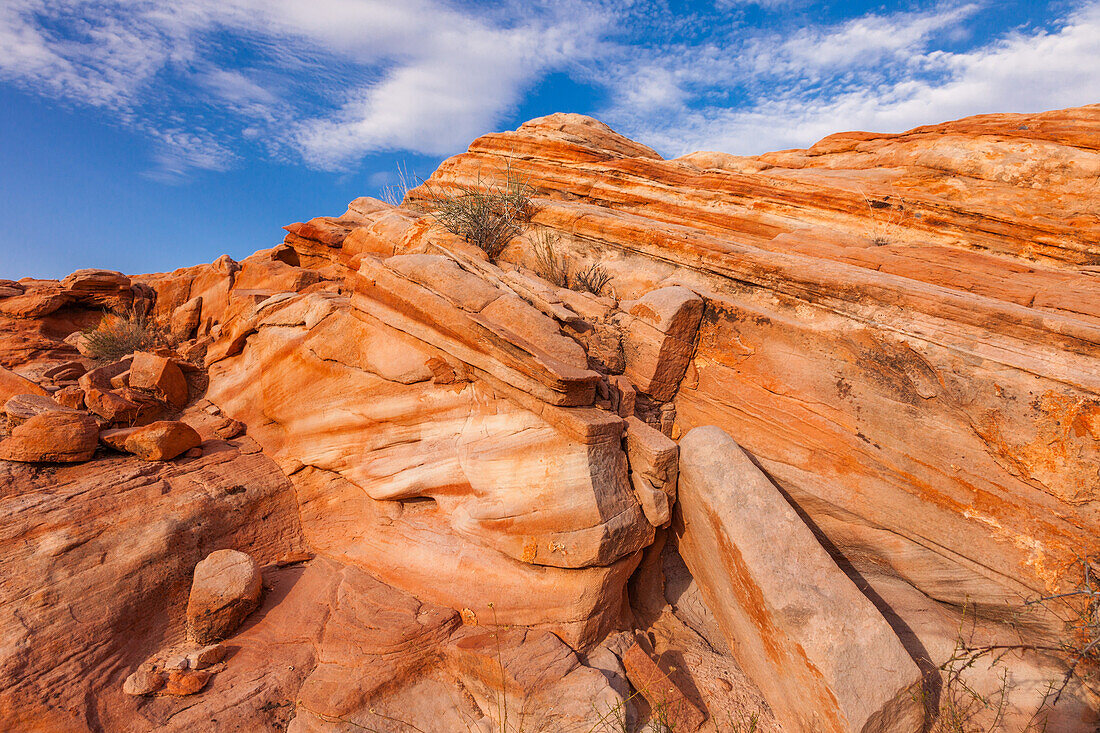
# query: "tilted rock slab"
{"type": "Point", "coordinates": [824, 658]}
{"type": "Point", "coordinates": [226, 589]}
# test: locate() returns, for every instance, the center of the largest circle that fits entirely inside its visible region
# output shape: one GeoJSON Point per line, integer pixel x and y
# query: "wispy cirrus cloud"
{"type": "Point", "coordinates": [330, 80]}
{"type": "Point", "coordinates": [210, 82]}
{"type": "Point", "coordinates": [876, 72]}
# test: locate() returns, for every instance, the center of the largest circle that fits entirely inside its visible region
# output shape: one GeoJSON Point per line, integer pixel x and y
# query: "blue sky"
{"type": "Point", "coordinates": [142, 136]}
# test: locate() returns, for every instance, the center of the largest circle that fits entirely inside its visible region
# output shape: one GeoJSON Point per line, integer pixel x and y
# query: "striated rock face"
{"type": "Point", "coordinates": [457, 478]}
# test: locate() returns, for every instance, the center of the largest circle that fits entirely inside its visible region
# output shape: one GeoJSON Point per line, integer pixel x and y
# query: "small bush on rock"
{"type": "Point", "coordinates": [487, 215]}
{"type": "Point", "coordinates": [592, 278]}
{"type": "Point", "coordinates": [121, 333]}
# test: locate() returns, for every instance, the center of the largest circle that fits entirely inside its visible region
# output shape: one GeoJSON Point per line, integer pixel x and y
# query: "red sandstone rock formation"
{"type": "Point", "coordinates": [457, 477]}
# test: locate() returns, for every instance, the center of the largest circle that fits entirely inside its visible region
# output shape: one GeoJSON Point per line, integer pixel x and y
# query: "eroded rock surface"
{"type": "Point", "coordinates": [456, 477]}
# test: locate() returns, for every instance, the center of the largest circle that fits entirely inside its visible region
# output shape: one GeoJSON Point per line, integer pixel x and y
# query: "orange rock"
{"type": "Point", "coordinates": [186, 681]}
{"type": "Point", "coordinates": [112, 407]}
{"type": "Point", "coordinates": [161, 376]}
{"type": "Point", "coordinates": [158, 441]}
{"type": "Point", "coordinates": [12, 384]}
{"type": "Point", "coordinates": [70, 397]}
{"type": "Point", "coordinates": [667, 701]}
{"type": "Point", "coordinates": [226, 588]}
{"type": "Point", "coordinates": [56, 436]}
{"type": "Point", "coordinates": [186, 319]}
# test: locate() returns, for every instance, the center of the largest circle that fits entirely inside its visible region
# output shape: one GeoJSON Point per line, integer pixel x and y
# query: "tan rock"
{"type": "Point", "coordinates": [64, 372]}
{"type": "Point", "coordinates": [659, 339]}
{"type": "Point", "coordinates": [146, 680]}
{"type": "Point", "coordinates": [674, 311]}
{"type": "Point", "coordinates": [226, 588]}
{"type": "Point", "coordinates": [531, 676]}
{"type": "Point", "coordinates": [23, 406]}
{"type": "Point", "coordinates": [655, 503]}
{"type": "Point", "coordinates": [652, 454]}
{"type": "Point", "coordinates": [821, 653]}
{"type": "Point", "coordinates": [55, 436]}
{"type": "Point", "coordinates": [176, 662]}
{"type": "Point", "coordinates": [206, 656]}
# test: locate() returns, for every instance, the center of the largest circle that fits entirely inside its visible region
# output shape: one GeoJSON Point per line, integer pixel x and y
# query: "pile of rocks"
{"type": "Point", "coordinates": [121, 404]}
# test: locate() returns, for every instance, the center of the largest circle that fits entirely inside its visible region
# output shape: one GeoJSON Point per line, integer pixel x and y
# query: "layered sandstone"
{"type": "Point", "coordinates": [901, 331]}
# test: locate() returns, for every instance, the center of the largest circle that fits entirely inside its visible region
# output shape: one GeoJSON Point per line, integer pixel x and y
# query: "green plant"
{"type": "Point", "coordinates": [488, 215]}
{"type": "Point", "coordinates": [121, 332]}
{"type": "Point", "coordinates": [592, 278]}
{"type": "Point", "coordinates": [549, 264]}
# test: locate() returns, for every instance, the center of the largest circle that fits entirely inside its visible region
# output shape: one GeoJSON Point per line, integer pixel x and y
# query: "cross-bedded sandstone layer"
{"type": "Point", "coordinates": [901, 331]}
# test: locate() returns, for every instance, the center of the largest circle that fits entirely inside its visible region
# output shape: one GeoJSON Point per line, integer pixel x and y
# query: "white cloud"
{"type": "Point", "coordinates": [330, 81]}
{"type": "Point", "coordinates": [340, 78]}
{"type": "Point", "coordinates": [860, 42]}
{"type": "Point", "coordinates": [817, 90]}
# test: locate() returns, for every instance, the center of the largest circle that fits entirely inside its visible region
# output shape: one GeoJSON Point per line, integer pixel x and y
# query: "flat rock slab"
{"type": "Point", "coordinates": [23, 406]}
{"type": "Point", "coordinates": [822, 655]}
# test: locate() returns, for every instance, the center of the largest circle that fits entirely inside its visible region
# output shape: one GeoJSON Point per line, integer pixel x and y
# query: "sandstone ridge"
{"type": "Point", "coordinates": [826, 420]}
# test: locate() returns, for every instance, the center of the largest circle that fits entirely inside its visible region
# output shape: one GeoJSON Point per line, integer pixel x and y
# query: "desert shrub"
{"type": "Point", "coordinates": [592, 278]}
{"type": "Point", "coordinates": [487, 215]}
{"type": "Point", "coordinates": [121, 332]}
{"type": "Point", "coordinates": [1078, 607]}
{"type": "Point", "coordinates": [394, 194]}
{"type": "Point", "coordinates": [550, 265]}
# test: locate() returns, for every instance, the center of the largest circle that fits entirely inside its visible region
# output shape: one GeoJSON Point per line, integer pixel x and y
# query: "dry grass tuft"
{"type": "Point", "coordinates": [549, 264]}
{"type": "Point", "coordinates": [122, 332]}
